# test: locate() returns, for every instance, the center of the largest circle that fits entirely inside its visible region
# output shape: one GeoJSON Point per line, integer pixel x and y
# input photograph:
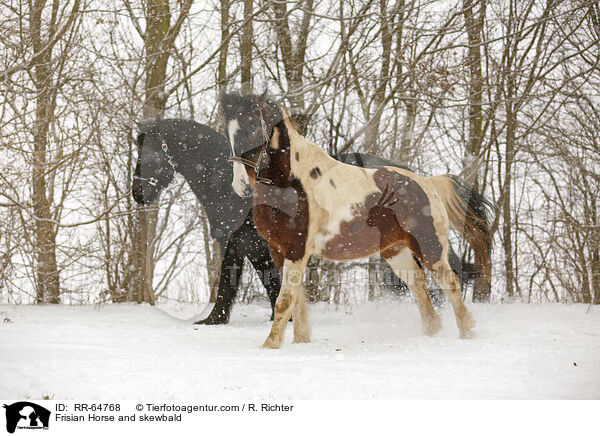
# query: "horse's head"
{"type": "Point", "coordinates": [155, 168]}
{"type": "Point", "coordinates": [249, 123]}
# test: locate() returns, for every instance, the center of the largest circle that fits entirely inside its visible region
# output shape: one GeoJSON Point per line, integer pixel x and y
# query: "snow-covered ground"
{"type": "Point", "coordinates": [371, 351]}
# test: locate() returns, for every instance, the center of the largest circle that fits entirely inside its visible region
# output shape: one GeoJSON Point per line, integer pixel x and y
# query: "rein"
{"type": "Point", "coordinates": [153, 181]}
{"type": "Point", "coordinates": [256, 165]}
{"type": "Point", "coordinates": [165, 149]}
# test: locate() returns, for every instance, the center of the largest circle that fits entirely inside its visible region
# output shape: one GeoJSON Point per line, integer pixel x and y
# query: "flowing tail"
{"type": "Point", "coordinates": [468, 213]}
{"type": "Point", "coordinates": [466, 271]}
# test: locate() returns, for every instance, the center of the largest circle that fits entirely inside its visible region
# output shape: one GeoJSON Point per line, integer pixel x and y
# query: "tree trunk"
{"type": "Point", "coordinates": [474, 26]}
{"type": "Point", "coordinates": [595, 268]}
{"type": "Point", "coordinates": [408, 130]}
{"type": "Point", "coordinates": [212, 252]}
{"type": "Point", "coordinates": [159, 38]}
{"type": "Point", "coordinates": [294, 58]}
{"type": "Point", "coordinates": [372, 130]}
{"type": "Point", "coordinates": [48, 283]}
{"type": "Point", "coordinates": [246, 48]}
{"type": "Point", "coordinates": [595, 263]}
{"type": "Point", "coordinates": [158, 20]}
{"type": "Point", "coordinates": [222, 68]}
{"type": "Point", "coordinates": [372, 276]}
{"type": "Point", "coordinates": [506, 205]}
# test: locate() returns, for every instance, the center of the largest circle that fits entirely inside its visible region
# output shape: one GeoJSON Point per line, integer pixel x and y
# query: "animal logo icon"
{"type": "Point", "coordinates": [24, 414]}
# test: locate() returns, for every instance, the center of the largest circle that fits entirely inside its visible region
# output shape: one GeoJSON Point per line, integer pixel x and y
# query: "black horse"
{"type": "Point", "coordinates": [200, 154]}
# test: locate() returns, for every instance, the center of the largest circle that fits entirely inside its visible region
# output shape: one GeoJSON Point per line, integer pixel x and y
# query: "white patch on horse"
{"type": "Point", "coordinates": [240, 176]}
{"type": "Point", "coordinates": [335, 205]}
{"type": "Point", "coordinates": [240, 179]}
{"type": "Point", "coordinates": [232, 129]}
{"type": "Point", "coordinates": [342, 203]}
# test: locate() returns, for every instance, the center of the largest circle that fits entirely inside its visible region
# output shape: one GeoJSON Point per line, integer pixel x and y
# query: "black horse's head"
{"type": "Point", "coordinates": [249, 123]}
{"type": "Point", "coordinates": [155, 168]}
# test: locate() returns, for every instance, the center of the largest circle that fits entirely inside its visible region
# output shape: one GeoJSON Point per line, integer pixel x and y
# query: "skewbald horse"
{"type": "Point", "coordinates": [307, 203]}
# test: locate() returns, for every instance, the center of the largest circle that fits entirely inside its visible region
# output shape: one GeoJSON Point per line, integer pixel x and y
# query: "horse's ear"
{"type": "Point", "coordinates": [228, 102]}
{"type": "Point", "coordinates": [224, 98]}
{"type": "Point", "coordinates": [263, 97]}
{"type": "Point", "coordinates": [294, 118]}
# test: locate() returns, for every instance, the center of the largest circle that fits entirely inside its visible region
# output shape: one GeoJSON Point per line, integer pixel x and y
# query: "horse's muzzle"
{"type": "Point", "coordinates": [243, 190]}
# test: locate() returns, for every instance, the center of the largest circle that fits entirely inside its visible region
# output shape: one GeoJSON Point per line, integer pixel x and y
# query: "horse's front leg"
{"type": "Point", "coordinates": [291, 299]}
{"type": "Point", "coordinates": [300, 318]}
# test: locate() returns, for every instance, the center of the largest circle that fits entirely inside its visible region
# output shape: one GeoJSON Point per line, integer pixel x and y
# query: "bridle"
{"type": "Point", "coordinates": [255, 165]}
{"type": "Point", "coordinates": [153, 181]}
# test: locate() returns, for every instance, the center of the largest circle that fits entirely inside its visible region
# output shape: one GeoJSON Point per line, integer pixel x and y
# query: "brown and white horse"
{"type": "Point", "coordinates": [307, 203]}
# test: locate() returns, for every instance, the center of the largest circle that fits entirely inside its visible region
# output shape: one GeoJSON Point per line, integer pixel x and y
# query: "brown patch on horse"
{"type": "Point", "coordinates": [251, 176]}
{"type": "Point", "coordinates": [355, 239]}
{"type": "Point", "coordinates": [285, 227]}
{"type": "Point", "coordinates": [401, 212]}
{"type": "Point", "coordinates": [276, 254]}
{"type": "Point", "coordinates": [283, 303]}
{"type": "Point", "coordinates": [315, 173]}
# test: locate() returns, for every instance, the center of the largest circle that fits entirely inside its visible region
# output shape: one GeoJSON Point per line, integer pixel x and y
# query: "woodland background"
{"type": "Point", "coordinates": [505, 93]}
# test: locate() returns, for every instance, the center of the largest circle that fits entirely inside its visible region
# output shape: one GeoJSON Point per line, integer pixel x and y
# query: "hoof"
{"type": "Point", "coordinates": [301, 339]}
{"type": "Point", "coordinates": [468, 323]}
{"type": "Point", "coordinates": [433, 326]}
{"type": "Point", "coordinates": [271, 344]}
{"type": "Point", "coordinates": [213, 320]}
{"type": "Point", "coordinates": [467, 334]}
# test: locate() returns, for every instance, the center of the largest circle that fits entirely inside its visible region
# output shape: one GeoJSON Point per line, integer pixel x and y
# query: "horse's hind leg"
{"type": "Point", "coordinates": [448, 280]}
{"type": "Point", "coordinates": [292, 277]}
{"type": "Point", "coordinates": [229, 280]}
{"type": "Point", "coordinates": [405, 267]}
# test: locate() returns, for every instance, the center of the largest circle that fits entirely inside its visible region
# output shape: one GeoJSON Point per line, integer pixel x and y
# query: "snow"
{"type": "Point", "coordinates": [367, 351]}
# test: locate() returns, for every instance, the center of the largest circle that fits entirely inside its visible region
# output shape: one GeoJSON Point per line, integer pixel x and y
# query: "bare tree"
{"type": "Point", "coordinates": [504, 93]}
{"type": "Point", "coordinates": [292, 45]}
{"type": "Point", "coordinates": [159, 37]}
{"type": "Point", "coordinates": [43, 39]}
